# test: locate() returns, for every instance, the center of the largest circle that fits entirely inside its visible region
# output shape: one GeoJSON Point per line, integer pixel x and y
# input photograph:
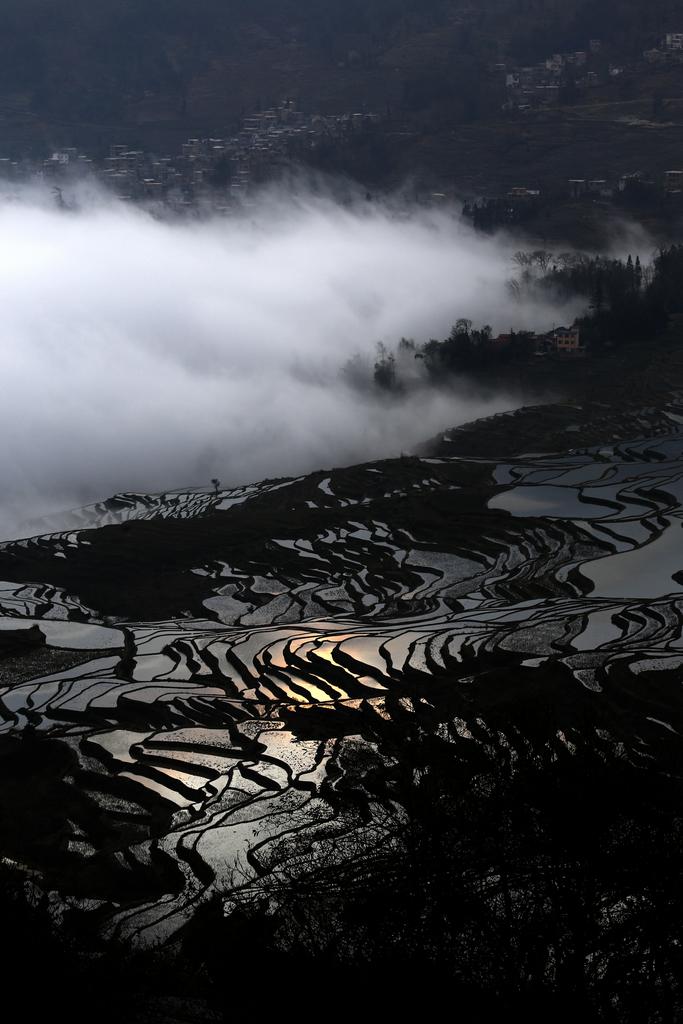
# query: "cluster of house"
{"type": "Point", "coordinates": [670, 48]}
{"type": "Point", "coordinates": [215, 171]}
{"type": "Point", "coordinates": [561, 341]}
{"type": "Point", "coordinates": [671, 183]}
{"type": "Point", "coordinates": [539, 84]}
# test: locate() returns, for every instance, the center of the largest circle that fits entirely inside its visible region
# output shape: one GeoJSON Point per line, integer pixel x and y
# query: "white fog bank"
{"type": "Point", "coordinates": [140, 354]}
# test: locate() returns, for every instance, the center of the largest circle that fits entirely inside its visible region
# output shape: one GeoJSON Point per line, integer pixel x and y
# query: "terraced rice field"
{"type": "Point", "coordinates": [528, 604]}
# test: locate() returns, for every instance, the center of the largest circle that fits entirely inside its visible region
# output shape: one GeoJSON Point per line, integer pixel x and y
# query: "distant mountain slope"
{"type": "Point", "coordinates": [116, 61]}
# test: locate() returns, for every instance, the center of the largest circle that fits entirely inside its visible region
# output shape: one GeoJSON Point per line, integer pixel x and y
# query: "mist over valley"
{"type": "Point", "coordinates": [141, 353]}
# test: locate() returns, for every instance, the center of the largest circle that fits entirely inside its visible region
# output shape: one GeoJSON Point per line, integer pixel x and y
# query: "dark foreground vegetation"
{"type": "Point", "coordinates": [555, 889]}
{"type": "Point", "coordinates": [547, 884]}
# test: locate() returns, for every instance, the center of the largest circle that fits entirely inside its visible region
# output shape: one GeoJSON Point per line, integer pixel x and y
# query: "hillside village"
{"type": "Point", "coordinates": [562, 77]}
{"type": "Point", "coordinates": [213, 172]}
{"type": "Point", "coordinates": [632, 194]}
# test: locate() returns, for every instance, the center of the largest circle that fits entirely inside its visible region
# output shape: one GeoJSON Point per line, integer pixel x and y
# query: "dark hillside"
{"type": "Point", "coordinates": [113, 62]}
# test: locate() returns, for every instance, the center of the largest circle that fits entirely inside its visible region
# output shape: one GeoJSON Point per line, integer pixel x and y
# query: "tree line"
{"type": "Point", "coordinates": [626, 302]}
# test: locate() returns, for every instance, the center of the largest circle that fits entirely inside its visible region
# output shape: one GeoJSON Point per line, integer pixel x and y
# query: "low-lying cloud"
{"type": "Point", "coordinates": [143, 354]}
